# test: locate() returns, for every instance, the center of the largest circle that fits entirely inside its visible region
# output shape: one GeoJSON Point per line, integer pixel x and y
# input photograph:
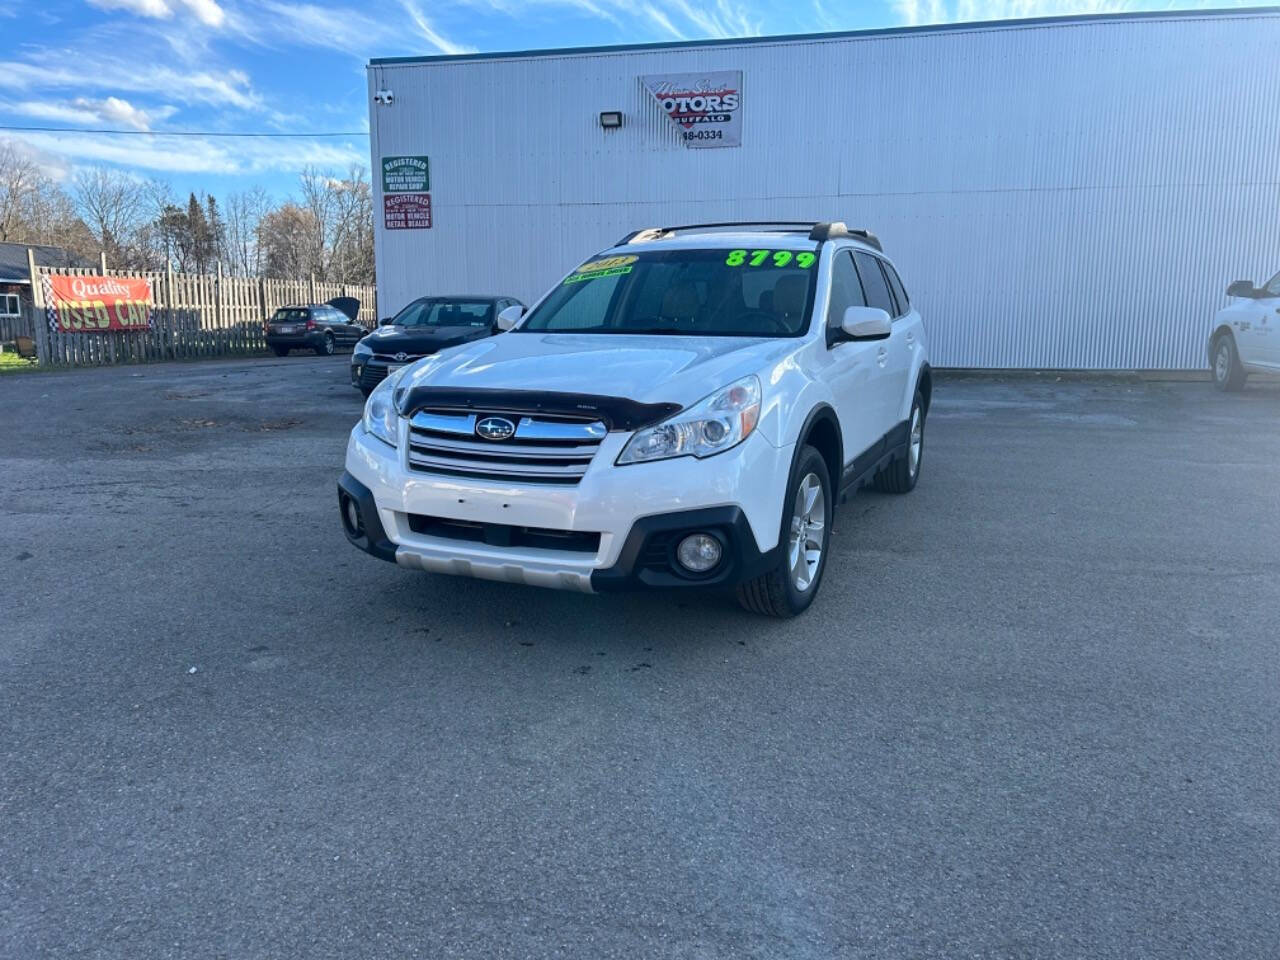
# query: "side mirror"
{"type": "Point", "coordinates": [866, 323]}
{"type": "Point", "coordinates": [385, 322]}
{"type": "Point", "coordinates": [1240, 288]}
{"type": "Point", "coordinates": [510, 316]}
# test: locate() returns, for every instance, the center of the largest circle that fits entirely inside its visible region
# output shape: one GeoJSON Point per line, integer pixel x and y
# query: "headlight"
{"type": "Point", "coordinates": [710, 426]}
{"type": "Point", "coordinates": [380, 415]}
{"type": "Point", "coordinates": [362, 349]}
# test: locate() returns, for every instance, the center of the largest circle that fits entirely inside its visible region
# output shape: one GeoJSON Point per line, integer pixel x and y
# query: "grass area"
{"type": "Point", "coordinates": [10, 362]}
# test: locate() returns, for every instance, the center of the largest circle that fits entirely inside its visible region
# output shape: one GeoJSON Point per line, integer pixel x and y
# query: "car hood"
{"type": "Point", "coordinates": [419, 340]}
{"type": "Point", "coordinates": [648, 369]}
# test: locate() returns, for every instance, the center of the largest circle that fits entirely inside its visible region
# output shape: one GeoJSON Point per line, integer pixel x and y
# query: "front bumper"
{"type": "Point", "coordinates": [620, 524]}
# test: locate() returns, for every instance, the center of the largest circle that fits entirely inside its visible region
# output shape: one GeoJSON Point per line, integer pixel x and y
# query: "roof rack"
{"type": "Point", "coordinates": [817, 230]}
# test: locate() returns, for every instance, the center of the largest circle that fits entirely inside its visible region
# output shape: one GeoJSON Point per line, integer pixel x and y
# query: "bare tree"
{"type": "Point", "coordinates": [33, 208]}
{"type": "Point", "coordinates": [245, 211]}
{"type": "Point", "coordinates": [18, 176]}
{"type": "Point", "coordinates": [351, 257]}
{"type": "Point", "coordinates": [285, 237]}
{"type": "Point", "coordinates": [318, 200]}
{"type": "Point", "coordinates": [111, 203]}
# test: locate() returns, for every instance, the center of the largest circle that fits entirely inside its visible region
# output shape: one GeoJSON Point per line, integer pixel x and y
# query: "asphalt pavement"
{"type": "Point", "coordinates": [1034, 713]}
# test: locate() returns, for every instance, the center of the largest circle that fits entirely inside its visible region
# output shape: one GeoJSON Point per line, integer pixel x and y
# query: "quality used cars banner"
{"type": "Point", "coordinates": [707, 107]}
{"type": "Point", "coordinates": [97, 304]}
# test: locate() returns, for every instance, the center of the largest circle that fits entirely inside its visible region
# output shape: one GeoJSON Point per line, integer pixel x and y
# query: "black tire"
{"type": "Point", "coordinates": [775, 594]}
{"type": "Point", "coordinates": [364, 393]}
{"type": "Point", "coordinates": [280, 351]}
{"type": "Point", "coordinates": [1228, 372]}
{"type": "Point", "coordinates": [327, 347]}
{"type": "Point", "coordinates": [900, 476]}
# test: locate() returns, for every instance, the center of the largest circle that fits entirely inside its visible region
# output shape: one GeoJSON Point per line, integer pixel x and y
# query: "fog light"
{"type": "Point", "coordinates": [351, 517]}
{"type": "Point", "coordinates": [699, 552]}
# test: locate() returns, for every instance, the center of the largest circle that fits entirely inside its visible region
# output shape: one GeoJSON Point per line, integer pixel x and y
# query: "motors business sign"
{"type": "Point", "coordinates": [706, 107]}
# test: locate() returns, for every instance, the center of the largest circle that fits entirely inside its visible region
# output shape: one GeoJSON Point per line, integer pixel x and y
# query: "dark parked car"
{"type": "Point", "coordinates": [423, 327]}
{"type": "Point", "coordinates": [321, 327]}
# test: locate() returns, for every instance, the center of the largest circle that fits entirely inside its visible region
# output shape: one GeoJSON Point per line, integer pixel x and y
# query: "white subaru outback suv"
{"type": "Point", "coordinates": [684, 409]}
{"type": "Point", "coordinates": [1246, 334]}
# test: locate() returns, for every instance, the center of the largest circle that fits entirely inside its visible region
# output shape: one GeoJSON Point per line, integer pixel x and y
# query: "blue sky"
{"type": "Point", "coordinates": [275, 65]}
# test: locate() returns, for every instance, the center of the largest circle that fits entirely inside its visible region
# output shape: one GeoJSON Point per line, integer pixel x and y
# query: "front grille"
{"type": "Point", "coordinates": [505, 535]}
{"type": "Point", "coordinates": [371, 375]}
{"type": "Point", "coordinates": [543, 449]}
{"type": "Point", "coordinates": [374, 370]}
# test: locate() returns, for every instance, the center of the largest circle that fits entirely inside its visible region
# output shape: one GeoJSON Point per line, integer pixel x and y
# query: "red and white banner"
{"type": "Point", "coordinates": [97, 304]}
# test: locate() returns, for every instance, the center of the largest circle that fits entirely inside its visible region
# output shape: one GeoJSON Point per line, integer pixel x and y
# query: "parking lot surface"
{"type": "Point", "coordinates": [1035, 711]}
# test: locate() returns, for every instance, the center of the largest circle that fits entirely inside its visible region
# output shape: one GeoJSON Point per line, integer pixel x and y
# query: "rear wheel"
{"type": "Point", "coordinates": [901, 475]}
{"type": "Point", "coordinates": [326, 348]}
{"type": "Point", "coordinates": [790, 587]}
{"type": "Point", "coordinates": [1228, 371]}
{"type": "Point", "coordinates": [280, 351]}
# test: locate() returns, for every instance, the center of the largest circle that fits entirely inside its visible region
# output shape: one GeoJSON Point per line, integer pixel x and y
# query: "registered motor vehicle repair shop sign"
{"type": "Point", "coordinates": [406, 200]}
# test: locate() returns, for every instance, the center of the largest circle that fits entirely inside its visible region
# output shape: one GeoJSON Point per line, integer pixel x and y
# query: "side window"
{"type": "Point", "coordinates": [846, 290]}
{"type": "Point", "coordinates": [899, 294]}
{"type": "Point", "coordinates": [1273, 286]}
{"type": "Point", "coordinates": [9, 305]}
{"type": "Point", "coordinates": [873, 283]}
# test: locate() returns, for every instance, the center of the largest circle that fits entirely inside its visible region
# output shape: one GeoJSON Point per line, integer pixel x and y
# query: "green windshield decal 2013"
{"type": "Point", "coordinates": [608, 267]}
{"type": "Point", "coordinates": [596, 274]}
{"type": "Point", "coordinates": [771, 258]}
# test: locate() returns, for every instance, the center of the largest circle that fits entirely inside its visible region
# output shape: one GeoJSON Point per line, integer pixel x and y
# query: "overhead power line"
{"type": "Point", "coordinates": [184, 133]}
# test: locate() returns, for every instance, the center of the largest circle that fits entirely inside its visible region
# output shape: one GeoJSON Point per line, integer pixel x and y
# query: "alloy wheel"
{"type": "Point", "coordinates": [808, 521]}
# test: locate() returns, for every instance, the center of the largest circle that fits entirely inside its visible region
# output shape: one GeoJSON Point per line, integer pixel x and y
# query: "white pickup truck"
{"type": "Point", "coordinates": [1246, 334]}
{"type": "Point", "coordinates": [684, 409]}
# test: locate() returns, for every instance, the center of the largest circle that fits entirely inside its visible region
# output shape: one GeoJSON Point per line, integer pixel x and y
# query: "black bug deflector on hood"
{"type": "Point", "coordinates": [616, 413]}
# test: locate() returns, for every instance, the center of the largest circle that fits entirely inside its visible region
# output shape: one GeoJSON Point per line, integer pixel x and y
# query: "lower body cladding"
{"type": "Point", "coordinates": [603, 534]}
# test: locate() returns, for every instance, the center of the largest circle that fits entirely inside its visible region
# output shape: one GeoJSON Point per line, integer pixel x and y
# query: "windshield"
{"type": "Point", "coordinates": [291, 313]}
{"type": "Point", "coordinates": [446, 313]}
{"type": "Point", "coordinates": [719, 293]}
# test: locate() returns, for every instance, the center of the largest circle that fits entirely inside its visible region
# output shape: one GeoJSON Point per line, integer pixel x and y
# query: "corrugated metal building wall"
{"type": "Point", "coordinates": [1057, 194]}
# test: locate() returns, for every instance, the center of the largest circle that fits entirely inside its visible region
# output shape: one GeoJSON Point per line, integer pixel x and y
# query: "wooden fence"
{"type": "Point", "coordinates": [193, 316]}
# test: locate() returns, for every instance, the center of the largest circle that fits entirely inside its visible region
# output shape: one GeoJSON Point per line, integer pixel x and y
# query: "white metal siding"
{"type": "Point", "coordinates": [1067, 195]}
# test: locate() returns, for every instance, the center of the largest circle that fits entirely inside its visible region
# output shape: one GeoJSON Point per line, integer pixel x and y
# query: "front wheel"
{"type": "Point", "coordinates": [1228, 371]}
{"type": "Point", "coordinates": [326, 348]}
{"type": "Point", "coordinates": [790, 587]}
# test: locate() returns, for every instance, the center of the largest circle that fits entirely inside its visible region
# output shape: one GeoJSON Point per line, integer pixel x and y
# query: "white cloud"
{"type": "Point", "coordinates": [113, 111]}
{"type": "Point", "coordinates": [230, 88]}
{"type": "Point", "coordinates": [208, 12]}
{"type": "Point", "coordinates": [192, 155]}
{"type": "Point", "coordinates": [430, 33]}
{"type": "Point", "coordinates": [913, 12]}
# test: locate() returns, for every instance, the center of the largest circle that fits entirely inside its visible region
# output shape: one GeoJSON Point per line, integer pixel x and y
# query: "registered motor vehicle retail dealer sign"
{"type": "Point", "coordinates": [406, 174]}
{"type": "Point", "coordinates": [407, 211]}
{"type": "Point", "coordinates": [706, 107]}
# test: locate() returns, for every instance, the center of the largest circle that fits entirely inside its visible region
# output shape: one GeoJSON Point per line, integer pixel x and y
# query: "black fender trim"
{"type": "Point", "coordinates": [371, 537]}
{"type": "Point", "coordinates": [647, 557]}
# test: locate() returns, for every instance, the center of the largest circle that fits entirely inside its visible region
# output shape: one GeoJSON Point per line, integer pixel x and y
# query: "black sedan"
{"type": "Point", "coordinates": [321, 327]}
{"type": "Point", "coordinates": [425, 326]}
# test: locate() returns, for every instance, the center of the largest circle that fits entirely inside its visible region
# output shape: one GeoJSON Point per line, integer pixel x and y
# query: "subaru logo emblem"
{"type": "Point", "coordinates": [496, 428]}
{"type": "Point", "coordinates": [402, 356]}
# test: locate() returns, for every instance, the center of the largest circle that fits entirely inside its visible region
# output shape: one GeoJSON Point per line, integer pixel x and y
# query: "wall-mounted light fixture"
{"type": "Point", "coordinates": [384, 97]}
{"type": "Point", "coordinates": [611, 119]}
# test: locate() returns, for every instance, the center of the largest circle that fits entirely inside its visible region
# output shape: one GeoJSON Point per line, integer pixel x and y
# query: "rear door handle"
{"type": "Point", "coordinates": [882, 357]}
